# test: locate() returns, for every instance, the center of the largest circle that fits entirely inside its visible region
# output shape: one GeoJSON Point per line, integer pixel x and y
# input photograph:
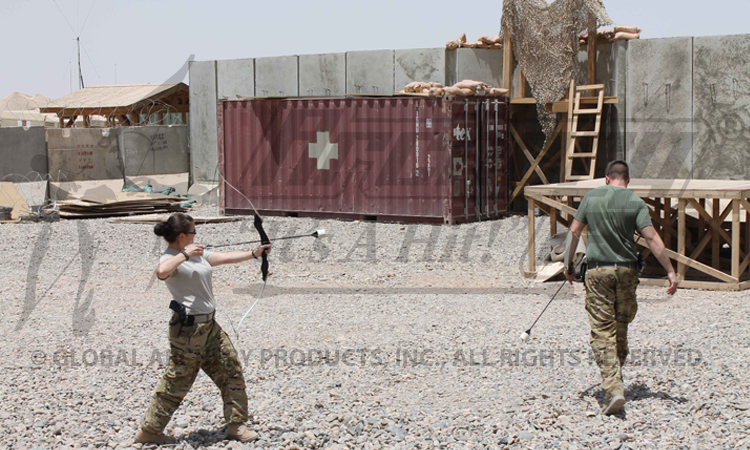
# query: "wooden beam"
{"type": "Point", "coordinates": [521, 84]}
{"type": "Point", "coordinates": [681, 232]}
{"type": "Point", "coordinates": [708, 270]}
{"type": "Point", "coordinates": [736, 247]}
{"type": "Point", "coordinates": [592, 56]}
{"type": "Point", "coordinates": [715, 242]}
{"type": "Point", "coordinates": [534, 164]}
{"type": "Point", "coordinates": [532, 237]}
{"type": "Point", "coordinates": [507, 62]}
{"type": "Point", "coordinates": [689, 284]}
{"type": "Point", "coordinates": [527, 153]}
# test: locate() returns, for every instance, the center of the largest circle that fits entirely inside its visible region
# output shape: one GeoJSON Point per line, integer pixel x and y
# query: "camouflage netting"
{"type": "Point", "coordinates": [545, 41]}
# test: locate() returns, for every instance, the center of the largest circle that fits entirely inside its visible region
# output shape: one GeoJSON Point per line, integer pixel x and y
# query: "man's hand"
{"type": "Point", "coordinates": [672, 283]}
{"type": "Point", "coordinates": [569, 276]}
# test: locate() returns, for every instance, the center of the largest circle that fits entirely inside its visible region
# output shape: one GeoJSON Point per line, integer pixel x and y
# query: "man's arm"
{"type": "Point", "coordinates": [657, 248]}
{"type": "Point", "coordinates": [574, 235]}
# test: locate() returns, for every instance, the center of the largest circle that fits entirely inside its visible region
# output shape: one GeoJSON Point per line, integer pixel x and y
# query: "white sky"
{"type": "Point", "coordinates": [150, 40]}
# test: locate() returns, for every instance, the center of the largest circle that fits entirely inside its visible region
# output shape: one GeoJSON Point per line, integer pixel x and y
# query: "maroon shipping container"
{"type": "Point", "coordinates": [415, 159]}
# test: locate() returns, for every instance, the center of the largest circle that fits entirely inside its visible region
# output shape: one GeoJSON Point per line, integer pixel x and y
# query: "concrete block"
{"type": "Point", "coordinates": [480, 64]}
{"type": "Point", "coordinates": [153, 150]}
{"type": "Point", "coordinates": [424, 64]}
{"type": "Point", "coordinates": [370, 72]}
{"type": "Point", "coordinates": [276, 77]}
{"type": "Point", "coordinates": [78, 154]}
{"type": "Point", "coordinates": [322, 74]}
{"type": "Point", "coordinates": [659, 140]}
{"type": "Point", "coordinates": [22, 151]}
{"type": "Point", "coordinates": [235, 77]}
{"type": "Point", "coordinates": [204, 150]}
{"type": "Point", "coordinates": [721, 107]}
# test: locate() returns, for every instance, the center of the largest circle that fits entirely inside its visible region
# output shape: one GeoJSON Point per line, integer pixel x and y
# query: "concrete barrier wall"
{"type": "Point", "coordinates": [721, 107]}
{"type": "Point", "coordinates": [660, 108]}
{"type": "Point", "coordinates": [370, 72]}
{"type": "Point", "coordinates": [424, 64]}
{"type": "Point", "coordinates": [277, 77]}
{"type": "Point", "coordinates": [322, 75]}
{"type": "Point", "coordinates": [22, 151]}
{"type": "Point", "coordinates": [235, 78]}
{"type": "Point", "coordinates": [77, 154]}
{"type": "Point", "coordinates": [204, 149]}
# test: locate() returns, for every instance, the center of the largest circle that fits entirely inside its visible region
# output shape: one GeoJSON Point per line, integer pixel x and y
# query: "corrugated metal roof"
{"type": "Point", "coordinates": [112, 96]}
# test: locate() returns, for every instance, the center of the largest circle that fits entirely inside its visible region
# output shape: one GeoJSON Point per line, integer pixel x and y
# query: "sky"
{"type": "Point", "coordinates": [140, 41]}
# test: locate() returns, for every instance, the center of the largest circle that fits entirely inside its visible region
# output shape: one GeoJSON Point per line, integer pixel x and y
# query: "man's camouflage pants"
{"type": "Point", "coordinates": [611, 304]}
{"type": "Point", "coordinates": [200, 346]}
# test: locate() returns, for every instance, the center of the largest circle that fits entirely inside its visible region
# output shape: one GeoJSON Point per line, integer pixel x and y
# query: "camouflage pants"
{"type": "Point", "coordinates": [611, 305]}
{"type": "Point", "coordinates": [200, 346]}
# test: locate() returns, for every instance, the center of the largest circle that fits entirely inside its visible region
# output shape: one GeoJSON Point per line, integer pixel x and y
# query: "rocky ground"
{"type": "Point", "coordinates": [381, 336]}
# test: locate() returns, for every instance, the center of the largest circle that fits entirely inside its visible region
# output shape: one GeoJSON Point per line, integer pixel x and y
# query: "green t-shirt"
{"type": "Point", "coordinates": [613, 215]}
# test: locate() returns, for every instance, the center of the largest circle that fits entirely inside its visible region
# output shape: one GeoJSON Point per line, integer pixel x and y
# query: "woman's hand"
{"type": "Point", "coordinates": [258, 252]}
{"type": "Point", "coordinates": [194, 250]}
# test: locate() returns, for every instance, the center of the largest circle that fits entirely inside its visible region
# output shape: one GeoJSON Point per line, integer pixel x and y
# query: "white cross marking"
{"type": "Point", "coordinates": [323, 150]}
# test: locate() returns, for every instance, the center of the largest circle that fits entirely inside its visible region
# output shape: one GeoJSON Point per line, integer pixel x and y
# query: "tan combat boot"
{"type": "Point", "coordinates": [238, 432]}
{"type": "Point", "coordinates": [145, 437]}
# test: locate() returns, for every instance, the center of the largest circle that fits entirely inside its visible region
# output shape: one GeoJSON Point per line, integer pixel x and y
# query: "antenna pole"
{"type": "Point", "coordinates": [80, 74]}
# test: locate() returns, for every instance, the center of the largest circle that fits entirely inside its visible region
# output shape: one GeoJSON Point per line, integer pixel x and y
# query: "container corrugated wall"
{"type": "Point", "coordinates": [396, 158]}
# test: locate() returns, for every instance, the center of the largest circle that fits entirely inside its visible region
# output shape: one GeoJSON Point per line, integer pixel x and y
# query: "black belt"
{"type": "Point", "coordinates": [616, 265]}
{"type": "Point", "coordinates": [188, 319]}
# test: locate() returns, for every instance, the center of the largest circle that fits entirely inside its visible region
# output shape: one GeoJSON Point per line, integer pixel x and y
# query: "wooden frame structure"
{"type": "Point", "coordinates": [697, 219]}
{"type": "Point", "coordinates": [521, 101]}
{"type": "Point", "coordinates": [122, 104]}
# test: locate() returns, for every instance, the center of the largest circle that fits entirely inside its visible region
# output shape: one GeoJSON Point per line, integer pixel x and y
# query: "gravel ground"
{"type": "Point", "coordinates": [372, 338]}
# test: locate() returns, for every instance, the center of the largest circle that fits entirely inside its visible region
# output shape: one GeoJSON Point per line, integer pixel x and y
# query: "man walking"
{"type": "Point", "coordinates": [613, 214]}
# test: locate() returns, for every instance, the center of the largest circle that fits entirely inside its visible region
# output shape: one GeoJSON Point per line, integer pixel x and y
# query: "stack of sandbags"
{"type": "Point", "coordinates": [430, 88]}
{"type": "Point", "coordinates": [609, 35]}
{"type": "Point", "coordinates": [484, 42]}
{"type": "Point", "coordinates": [465, 88]}
{"type": "Point", "coordinates": [471, 88]}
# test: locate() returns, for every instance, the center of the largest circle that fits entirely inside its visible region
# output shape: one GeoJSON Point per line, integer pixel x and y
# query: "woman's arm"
{"type": "Point", "coordinates": [165, 268]}
{"type": "Point", "coordinates": [218, 259]}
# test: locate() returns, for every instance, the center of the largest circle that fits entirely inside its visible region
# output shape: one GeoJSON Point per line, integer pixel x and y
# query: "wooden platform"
{"type": "Point", "coordinates": [705, 225]}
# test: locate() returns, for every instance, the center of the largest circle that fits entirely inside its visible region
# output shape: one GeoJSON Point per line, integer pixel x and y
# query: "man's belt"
{"type": "Point", "coordinates": [616, 265]}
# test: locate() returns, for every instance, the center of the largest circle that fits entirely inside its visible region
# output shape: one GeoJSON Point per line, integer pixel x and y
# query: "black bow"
{"type": "Point", "coordinates": [258, 222]}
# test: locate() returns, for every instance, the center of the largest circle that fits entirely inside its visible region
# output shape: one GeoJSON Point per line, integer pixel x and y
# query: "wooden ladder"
{"type": "Point", "coordinates": [574, 111]}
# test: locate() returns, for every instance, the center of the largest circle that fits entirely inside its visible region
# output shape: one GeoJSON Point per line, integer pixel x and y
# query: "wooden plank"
{"type": "Point", "coordinates": [714, 222]}
{"type": "Point", "coordinates": [553, 221]}
{"type": "Point", "coordinates": [681, 232]}
{"type": "Point", "coordinates": [715, 242]}
{"type": "Point", "coordinates": [592, 57]}
{"type": "Point", "coordinates": [590, 87]}
{"type": "Point", "coordinates": [569, 210]}
{"type": "Point", "coordinates": [708, 270]}
{"type": "Point", "coordinates": [535, 163]}
{"type": "Point", "coordinates": [532, 237]}
{"type": "Point", "coordinates": [507, 62]}
{"type": "Point", "coordinates": [691, 284]}
{"type": "Point", "coordinates": [527, 153]}
{"type": "Point", "coordinates": [736, 230]}
{"type": "Point", "coordinates": [521, 84]}
{"type": "Point", "coordinates": [651, 188]}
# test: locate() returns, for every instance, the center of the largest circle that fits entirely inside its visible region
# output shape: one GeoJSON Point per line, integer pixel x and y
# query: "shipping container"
{"type": "Point", "coordinates": [405, 159]}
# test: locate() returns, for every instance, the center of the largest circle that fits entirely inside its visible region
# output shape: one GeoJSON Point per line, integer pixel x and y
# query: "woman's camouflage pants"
{"type": "Point", "coordinates": [611, 304]}
{"type": "Point", "coordinates": [200, 346]}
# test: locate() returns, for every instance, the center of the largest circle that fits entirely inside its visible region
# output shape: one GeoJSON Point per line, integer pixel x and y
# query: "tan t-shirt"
{"type": "Point", "coordinates": [190, 284]}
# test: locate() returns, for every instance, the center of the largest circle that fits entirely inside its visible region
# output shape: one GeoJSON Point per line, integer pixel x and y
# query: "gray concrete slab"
{"type": "Point", "coordinates": [22, 151]}
{"type": "Point", "coordinates": [276, 77]}
{"type": "Point", "coordinates": [480, 64]}
{"type": "Point", "coordinates": [204, 150]}
{"type": "Point", "coordinates": [235, 78]}
{"type": "Point", "coordinates": [154, 150]}
{"type": "Point", "coordinates": [323, 74]}
{"type": "Point", "coordinates": [370, 72]}
{"type": "Point", "coordinates": [721, 107]}
{"type": "Point", "coordinates": [77, 154]}
{"type": "Point", "coordinates": [423, 64]}
{"type": "Point", "coordinates": [659, 141]}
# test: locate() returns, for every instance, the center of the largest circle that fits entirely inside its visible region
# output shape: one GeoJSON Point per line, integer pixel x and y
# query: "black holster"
{"type": "Point", "coordinates": [182, 317]}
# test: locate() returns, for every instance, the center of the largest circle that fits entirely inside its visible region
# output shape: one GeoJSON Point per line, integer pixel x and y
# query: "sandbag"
{"type": "Point", "coordinates": [497, 92]}
{"type": "Point", "coordinates": [623, 36]}
{"type": "Point", "coordinates": [452, 45]}
{"type": "Point", "coordinates": [627, 29]}
{"type": "Point", "coordinates": [468, 84]}
{"type": "Point", "coordinates": [487, 40]}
